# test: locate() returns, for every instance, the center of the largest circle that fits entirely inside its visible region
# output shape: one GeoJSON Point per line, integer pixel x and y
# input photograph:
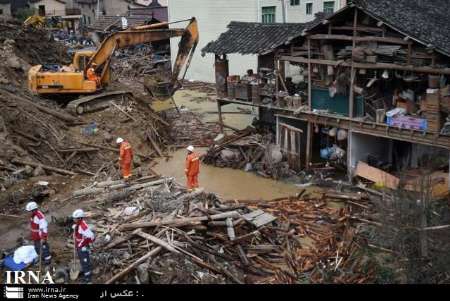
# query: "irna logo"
{"type": "Point", "coordinates": [28, 277]}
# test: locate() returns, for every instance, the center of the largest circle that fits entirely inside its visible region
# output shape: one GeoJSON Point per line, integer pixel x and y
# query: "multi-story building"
{"type": "Point", "coordinates": [373, 89]}
{"type": "Point", "coordinates": [295, 11]}
{"type": "Point", "coordinates": [215, 16]}
{"type": "Point", "coordinates": [49, 8]}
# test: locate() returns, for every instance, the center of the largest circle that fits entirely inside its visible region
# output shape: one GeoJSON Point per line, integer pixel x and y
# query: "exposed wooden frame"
{"type": "Point", "coordinates": [309, 125]}
{"type": "Point", "coordinates": [388, 66]}
{"type": "Point", "coordinates": [388, 40]}
{"type": "Point", "coordinates": [359, 28]}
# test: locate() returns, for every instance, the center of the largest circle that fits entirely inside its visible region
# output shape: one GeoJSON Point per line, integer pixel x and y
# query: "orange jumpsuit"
{"type": "Point", "coordinates": [192, 170]}
{"type": "Point", "coordinates": [126, 157]}
{"type": "Point", "coordinates": [92, 76]}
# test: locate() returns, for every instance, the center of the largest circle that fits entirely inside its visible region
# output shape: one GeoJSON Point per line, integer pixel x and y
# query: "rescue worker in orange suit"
{"type": "Point", "coordinates": [39, 232]}
{"type": "Point", "coordinates": [91, 75]}
{"type": "Point", "coordinates": [192, 168]}
{"type": "Point", "coordinates": [126, 158]}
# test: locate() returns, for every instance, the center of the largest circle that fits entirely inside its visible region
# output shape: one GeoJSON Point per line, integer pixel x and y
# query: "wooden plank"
{"type": "Point", "coordinates": [376, 175]}
{"type": "Point", "coordinates": [263, 219]}
{"type": "Point", "coordinates": [157, 241]}
{"type": "Point", "coordinates": [154, 145]}
{"type": "Point", "coordinates": [388, 66]}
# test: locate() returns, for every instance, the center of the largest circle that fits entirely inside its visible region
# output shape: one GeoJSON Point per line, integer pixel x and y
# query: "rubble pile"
{"type": "Point", "coordinates": [250, 151]}
{"type": "Point", "coordinates": [38, 137]}
{"type": "Point", "coordinates": [22, 47]}
{"type": "Point", "coordinates": [154, 231]}
{"type": "Point", "coordinates": [188, 129]}
{"type": "Point", "coordinates": [136, 61]}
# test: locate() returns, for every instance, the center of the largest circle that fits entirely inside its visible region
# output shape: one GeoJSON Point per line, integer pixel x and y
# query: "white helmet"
{"type": "Point", "coordinates": [190, 148]}
{"type": "Point", "coordinates": [119, 140]}
{"type": "Point", "coordinates": [31, 206]}
{"type": "Point", "coordinates": [79, 213]}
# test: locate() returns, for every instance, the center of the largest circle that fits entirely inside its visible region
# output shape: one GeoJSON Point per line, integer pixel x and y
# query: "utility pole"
{"type": "Point", "coordinates": [97, 11]}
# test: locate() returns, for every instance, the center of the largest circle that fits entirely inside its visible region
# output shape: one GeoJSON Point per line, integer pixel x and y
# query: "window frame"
{"type": "Point", "coordinates": [266, 15]}
{"type": "Point", "coordinates": [328, 8]}
{"type": "Point", "coordinates": [309, 8]}
{"type": "Point", "coordinates": [295, 2]}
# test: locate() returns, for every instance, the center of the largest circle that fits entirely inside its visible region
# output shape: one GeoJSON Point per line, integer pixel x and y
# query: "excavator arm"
{"type": "Point", "coordinates": [145, 34]}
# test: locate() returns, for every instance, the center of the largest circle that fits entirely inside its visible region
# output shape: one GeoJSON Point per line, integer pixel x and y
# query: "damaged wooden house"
{"type": "Point", "coordinates": [366, 88]}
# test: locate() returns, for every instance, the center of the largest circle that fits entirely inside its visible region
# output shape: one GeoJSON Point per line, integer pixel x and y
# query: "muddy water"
{"type": "Point", "coordinates": [226, 182]}
{"type": "Point", "coordinates": [198, 102]}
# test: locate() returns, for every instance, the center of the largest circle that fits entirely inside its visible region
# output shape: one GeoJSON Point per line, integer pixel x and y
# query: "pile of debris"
{"type": "Point", "coordinates": [136, 61]}
{"type": "Point", "coordinates": [250, 151]}
{"type": "Point", "coordinates": [22, 47]}
{"type": "Point", "coordinates": [188, 129]}
{"type": "Point", "coordinates": [154, 231]}
{"type": "Point", "coordinates": [38, 137]}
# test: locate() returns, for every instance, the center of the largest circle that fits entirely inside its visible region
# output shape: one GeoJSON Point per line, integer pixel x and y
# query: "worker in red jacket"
{"type": "Point", "coordinates": [125, 158]}
{"type": "Point", "coordinates": [39, 231]}
{"type": "Point", "coordinates": [192, 168]}
{"type": "Point", "coordinates": [84, 237]}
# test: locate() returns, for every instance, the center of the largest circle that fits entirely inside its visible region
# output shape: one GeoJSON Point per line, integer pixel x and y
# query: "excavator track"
{"type": "Point", "coordinates": [93, 102]}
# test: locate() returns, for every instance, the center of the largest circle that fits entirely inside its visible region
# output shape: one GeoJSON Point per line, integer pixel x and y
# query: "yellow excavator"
{"type": "Point", "coordinates": [35, 21]}
{"type": "Point", "coordinates": [72, 80]}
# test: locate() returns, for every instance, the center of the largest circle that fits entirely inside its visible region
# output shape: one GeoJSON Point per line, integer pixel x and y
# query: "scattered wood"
{"type": "Point", "coordinates": [46, 167]}
{"type": "Point", "coordinates": [376, 175]}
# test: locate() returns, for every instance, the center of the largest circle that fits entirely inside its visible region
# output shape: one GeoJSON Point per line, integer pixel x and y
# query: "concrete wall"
{"type": "Point", "coordinates": [115, 7]}
{"type": "Point", "coordinates": [297, 13]}
{"type": "Point", "coordinates": [52, 7]}
{"type": "Point", "coordinates": [363, 145]}
{"type": "Point", "coordinates": [213, 18]}
{"type": "Point", "coordinates": [6, 11]}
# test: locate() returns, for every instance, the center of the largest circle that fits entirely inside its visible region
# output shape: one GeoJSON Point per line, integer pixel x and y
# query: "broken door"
{"type": "Point", "coordinates": [290, 143]}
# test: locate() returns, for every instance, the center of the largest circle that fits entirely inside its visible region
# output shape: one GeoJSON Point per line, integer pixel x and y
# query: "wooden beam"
{"type": "Point", "coordinates": [368, 66]}
{"type": "Point", "coordinates": [46, 167]}
{"type": "Point", "coordinates": [353, 71]}
{"type": "Point", "coordinates": [134, 265]}
{"type": "Point", "coordinates": [359, 28]}
{"type": "Point", "coordinates": [309, 126]}
{"type": "Point", "coordinates": [388, 40]}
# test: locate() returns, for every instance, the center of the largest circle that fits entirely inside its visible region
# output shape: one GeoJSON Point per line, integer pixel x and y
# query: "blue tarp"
{"type": "Point", "coordinates": [11, 265]}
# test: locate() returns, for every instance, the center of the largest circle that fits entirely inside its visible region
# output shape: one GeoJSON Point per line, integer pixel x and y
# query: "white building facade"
{"type": "Point", "coordinates": [296, 11]}
{"type": "Point", "coordinates": [214, 16]}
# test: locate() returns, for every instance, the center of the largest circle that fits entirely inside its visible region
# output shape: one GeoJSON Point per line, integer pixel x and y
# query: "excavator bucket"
{"type": "Point", "coordinates": [157, 86]}
{"type": "Point", "coordinates": [163, 88]}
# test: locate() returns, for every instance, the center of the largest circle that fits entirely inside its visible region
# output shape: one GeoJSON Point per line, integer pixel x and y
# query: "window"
{"type": "Point", "coordinates": [1, 11]}
{"type": "Point", "coordinates": [309, 8]}
{"type": "Point", "coordinates": [268, 14]}
{"type": "Point", "coordinates": [328, 7]}
{"type": "Point", "coordinates": [41, 10]}
{"type": "Point", "coordinates": [295, 2]}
